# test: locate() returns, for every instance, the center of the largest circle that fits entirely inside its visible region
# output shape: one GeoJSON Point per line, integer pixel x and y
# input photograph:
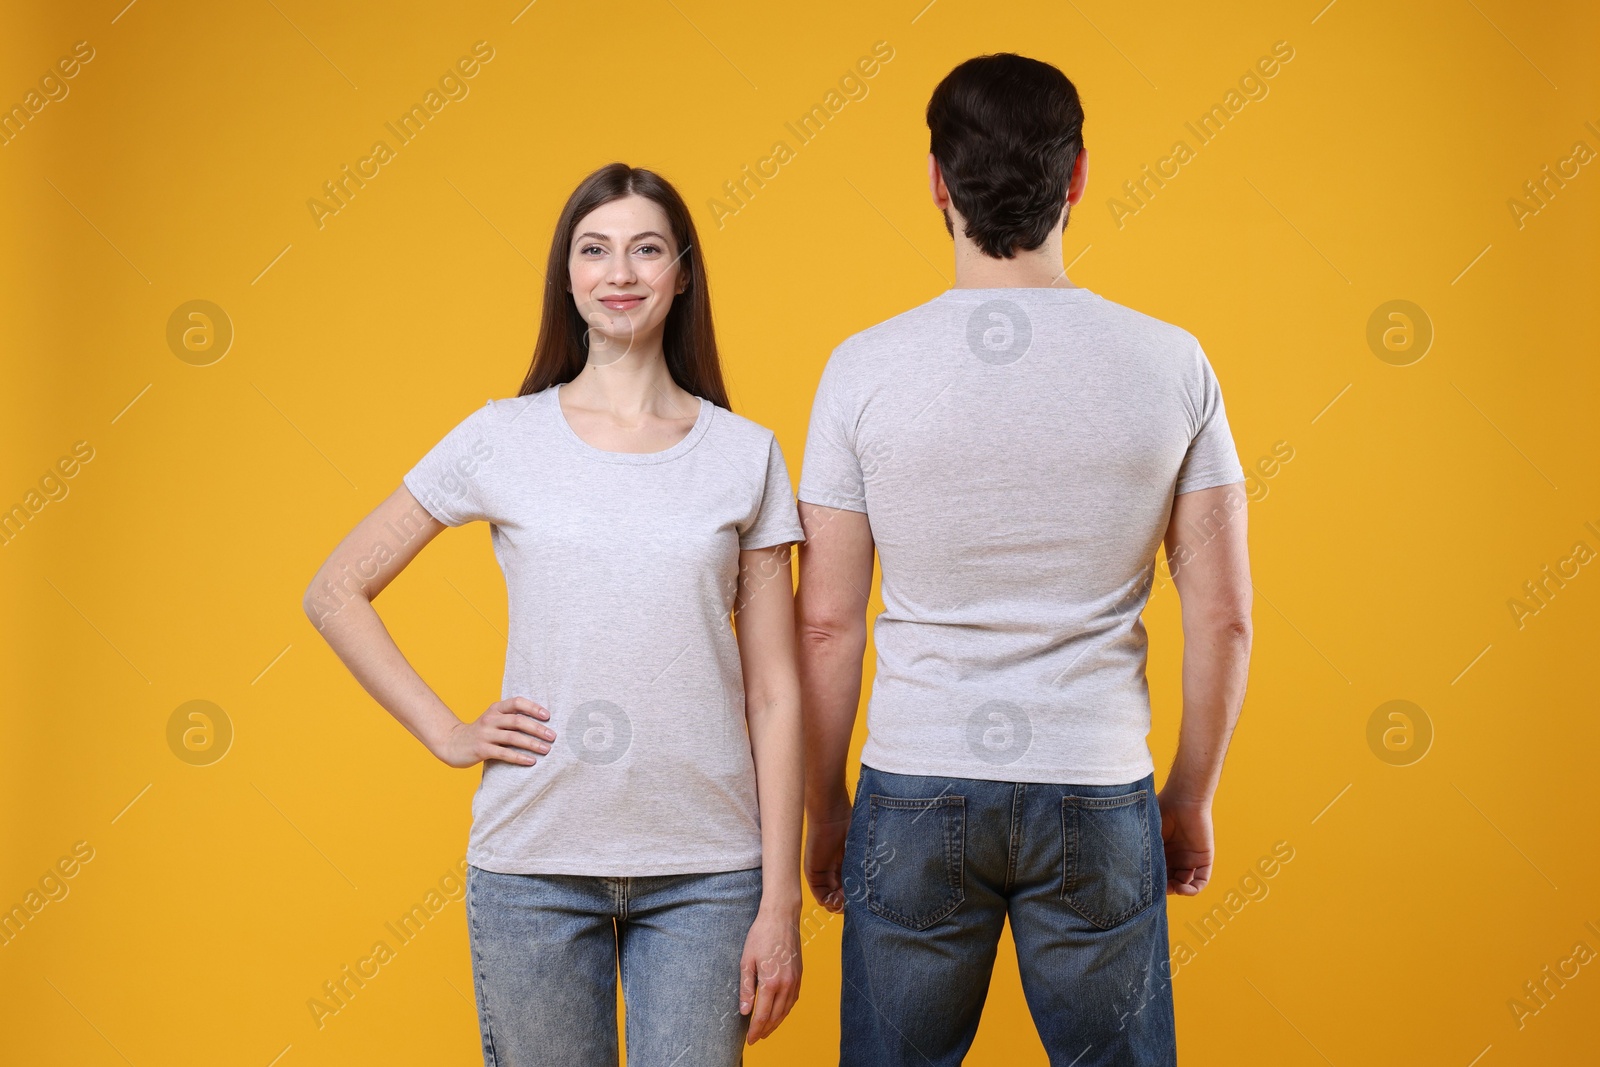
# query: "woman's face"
{"type": "Point", "coordinates": [624, 269]}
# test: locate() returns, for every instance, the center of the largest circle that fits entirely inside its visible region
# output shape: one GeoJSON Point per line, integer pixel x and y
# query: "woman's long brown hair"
{"type": "Point", "coordinates": [689, 342]}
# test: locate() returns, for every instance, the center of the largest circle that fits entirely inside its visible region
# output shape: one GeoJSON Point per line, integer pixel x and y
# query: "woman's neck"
{"type": "Point", "coordinates": [635, 385]}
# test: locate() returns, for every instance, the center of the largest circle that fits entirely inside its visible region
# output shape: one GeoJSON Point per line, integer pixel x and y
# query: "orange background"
{"type": "Point", "coordinates": [1419, 498]}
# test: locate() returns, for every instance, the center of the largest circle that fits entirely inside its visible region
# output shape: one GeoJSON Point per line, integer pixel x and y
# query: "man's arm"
{"type": "Point", "coordinates": [835, 577]}
{"type": "Point", "coordinates": [1209, 557]}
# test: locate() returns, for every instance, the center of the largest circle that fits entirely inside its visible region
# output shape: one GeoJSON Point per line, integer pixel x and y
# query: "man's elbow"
{"type": "Point", "coordinates": [820, 633]}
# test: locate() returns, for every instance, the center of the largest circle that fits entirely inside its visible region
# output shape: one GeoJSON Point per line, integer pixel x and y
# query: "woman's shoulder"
{"type": "Point", "coordinates": [500, 412]}
{"type": "Point", "coordinates": [737, 428]}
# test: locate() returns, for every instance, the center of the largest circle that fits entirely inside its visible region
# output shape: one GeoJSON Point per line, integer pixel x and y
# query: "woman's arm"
{"type": "Point", "coordinates": [764, 624]}
{"type": "Point", "coordinates": [339, 604]}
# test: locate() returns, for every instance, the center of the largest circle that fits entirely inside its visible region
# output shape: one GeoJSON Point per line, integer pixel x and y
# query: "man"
{"type": "Point", "coordinates": [1014, 449]}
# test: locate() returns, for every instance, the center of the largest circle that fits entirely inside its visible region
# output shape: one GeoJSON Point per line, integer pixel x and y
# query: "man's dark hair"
{"type": "Point", "coordinates": [1006, 130]}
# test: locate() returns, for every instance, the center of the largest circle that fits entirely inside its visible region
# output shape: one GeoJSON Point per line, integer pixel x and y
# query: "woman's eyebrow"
{"type": "Point", "coordinates": [635, 237]}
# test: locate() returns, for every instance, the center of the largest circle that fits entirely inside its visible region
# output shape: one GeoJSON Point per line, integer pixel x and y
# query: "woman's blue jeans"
{"type": "Point", "coordinates": [933, 869]}
{"type": "Point", "coordinates": [547, 949]}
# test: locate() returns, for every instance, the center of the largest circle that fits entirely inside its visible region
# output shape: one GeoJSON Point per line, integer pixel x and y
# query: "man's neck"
{"type": "Point", "coordinates": [1038, 269]}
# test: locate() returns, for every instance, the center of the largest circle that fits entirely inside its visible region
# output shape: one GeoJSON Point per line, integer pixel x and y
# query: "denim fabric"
{"type": "Point", "coordinates": [933, 869]}
{"type": "Point", "coordinates": [546, 950]}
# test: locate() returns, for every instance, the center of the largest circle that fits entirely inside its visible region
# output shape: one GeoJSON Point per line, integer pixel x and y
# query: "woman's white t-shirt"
{"type": "Point", "coordinates": [621, 571]}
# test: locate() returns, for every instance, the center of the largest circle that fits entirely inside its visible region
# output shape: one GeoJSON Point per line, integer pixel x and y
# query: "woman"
{"type": "Point", "coordinates": [641, 794]}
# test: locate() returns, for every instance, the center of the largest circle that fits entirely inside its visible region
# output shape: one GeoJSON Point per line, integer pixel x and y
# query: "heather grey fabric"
{"type": "Point", "coordinates": [1016, 452]}
{"type": "Point", "coordinates": [621, 571]}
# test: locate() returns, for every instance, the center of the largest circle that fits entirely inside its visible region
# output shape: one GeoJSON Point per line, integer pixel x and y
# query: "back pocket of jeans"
{"type": "Point", "coordinates": [914, 858]}
{"type": "Point", "coordinates": [1108, 869]}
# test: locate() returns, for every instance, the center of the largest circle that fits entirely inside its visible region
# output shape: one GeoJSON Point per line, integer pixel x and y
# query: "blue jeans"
{"type": "Point", "coordinates": [933, 868]}
{"type": "Point", "coordinates": [546, 950]}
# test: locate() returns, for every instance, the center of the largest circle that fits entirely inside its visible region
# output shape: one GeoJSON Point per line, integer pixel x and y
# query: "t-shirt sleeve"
{"type": "Point", "coordinates": [830, 474]}
{"type": "Point", "coordinates": [449, 480]}
{"type": "Point", "coordinates": [776, 521]}
{"type": "Point", "coordinates": [1212, 459]}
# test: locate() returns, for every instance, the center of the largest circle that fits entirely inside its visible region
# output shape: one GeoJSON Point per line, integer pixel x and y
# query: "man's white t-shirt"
{"type": "Point", "coordinates": [1016, 452]}
{"type": "Point", "coordinates": [621, 571]}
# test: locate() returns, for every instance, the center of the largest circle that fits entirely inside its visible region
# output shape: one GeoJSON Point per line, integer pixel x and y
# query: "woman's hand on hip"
{"type": "Point", "coordinates": [512, 731]}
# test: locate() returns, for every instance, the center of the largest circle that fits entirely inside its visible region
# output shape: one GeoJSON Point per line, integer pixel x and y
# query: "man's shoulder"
{"type": "Point", "coordinates": [949, 310]}
{"type": "Point", "coordinates": [888, 333]}
{"type": "Point", "coordinates": [944, 320]}
{"type": "Point", "coordinates": [1144, 329]}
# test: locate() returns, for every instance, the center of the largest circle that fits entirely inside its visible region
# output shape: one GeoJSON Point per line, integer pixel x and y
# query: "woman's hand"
{"type": "Point", "coordinates": [769, 973]}
{"type": "Point", "coordinates": [511, 730]}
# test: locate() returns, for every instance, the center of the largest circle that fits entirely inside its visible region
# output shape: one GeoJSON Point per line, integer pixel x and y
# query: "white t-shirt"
{"type": "Point", "coordinates": [621, 571]}
{"type": "Point", "coordinates": [1016, 452]}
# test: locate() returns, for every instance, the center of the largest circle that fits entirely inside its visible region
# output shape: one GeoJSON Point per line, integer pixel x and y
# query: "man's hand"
{"type": "Point", "coordinates": [824, 858]}
{"type": "Point", "coordinates": [1186, 837]}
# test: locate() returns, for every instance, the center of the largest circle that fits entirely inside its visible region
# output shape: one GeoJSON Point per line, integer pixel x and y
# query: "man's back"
{"type": "Point", "coordinates": [1016, 452]}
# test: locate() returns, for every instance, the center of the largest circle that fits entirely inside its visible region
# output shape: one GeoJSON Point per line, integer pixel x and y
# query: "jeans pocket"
{"type": "Point", "coordinates": [914, 858]}
{"type": "Point", "coordinates": [1108, 877]}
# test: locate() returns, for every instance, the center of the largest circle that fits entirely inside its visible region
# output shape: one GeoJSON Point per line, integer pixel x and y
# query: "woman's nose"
{"type": "Point", "coordinates": [621, 272]}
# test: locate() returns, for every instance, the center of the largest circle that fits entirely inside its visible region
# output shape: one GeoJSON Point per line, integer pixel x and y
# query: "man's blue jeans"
{"type": "Point", "coordinates": [935, 866]}
{"type": "Point", "coordinates": [546, 951]}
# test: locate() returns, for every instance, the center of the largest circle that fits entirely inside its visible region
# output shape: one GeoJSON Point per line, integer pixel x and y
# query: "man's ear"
{"type": "Point", "coordinates": [936, 186]}
{"type": "Point", "coordinates": [1080, 177]}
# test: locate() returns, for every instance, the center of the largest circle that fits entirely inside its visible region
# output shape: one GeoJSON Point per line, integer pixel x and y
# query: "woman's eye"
{"type": "Point", "coordinates": [648, 250]}
{"type": "Point", "coordinates": [586, 249]}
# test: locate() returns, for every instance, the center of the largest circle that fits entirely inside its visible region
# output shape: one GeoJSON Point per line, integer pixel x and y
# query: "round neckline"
{"type": "Point", "coordinates": [1025, 292]}
{"type": "Point", "coordinates": [702, 423]}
